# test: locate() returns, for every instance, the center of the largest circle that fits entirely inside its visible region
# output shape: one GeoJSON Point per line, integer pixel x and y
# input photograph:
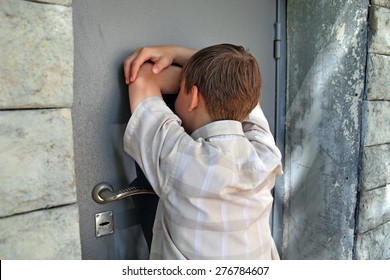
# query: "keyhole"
{"type": "Point", "coordinates": [104, 223]}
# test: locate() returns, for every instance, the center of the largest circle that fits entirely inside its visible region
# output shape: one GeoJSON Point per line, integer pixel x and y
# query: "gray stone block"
{"type": "Point", "coordinates": [374, 244]}
{"type": "Point", "coordinates": [383, 3]}
{"type": "Point", "coordinates": [36, 62]}
{"type": "Point", "coordinates": [378, 85]}
{"type": "Point", "coordinates": [67, 3]}
{"type": "Point", "coordinates": [375, 171]}
{"type": "Point", "coordinates": [374, 208]}
{"type": "Point", "coordinates": [379, 30]}
{"type": "Point", "coordinates": [376, 122]}
{"type": "Point", "coordinates": [37, 163]}
{"type": "Point", "coordinates": [44, 235]}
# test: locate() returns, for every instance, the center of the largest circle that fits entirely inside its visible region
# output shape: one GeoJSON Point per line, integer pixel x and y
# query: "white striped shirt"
{"type": "Point", "coordinates": [214, 185]}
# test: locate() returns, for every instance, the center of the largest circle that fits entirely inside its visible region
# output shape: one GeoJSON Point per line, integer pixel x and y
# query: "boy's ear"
{"type": "Point", "coordinates": [194, 99]}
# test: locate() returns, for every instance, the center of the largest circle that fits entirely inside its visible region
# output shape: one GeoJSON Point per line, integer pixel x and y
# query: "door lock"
{"type": "Point", "coordinates": [104, 223]}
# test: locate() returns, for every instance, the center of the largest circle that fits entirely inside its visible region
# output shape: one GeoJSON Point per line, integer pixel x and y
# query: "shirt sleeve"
{"type": "Point", "coordinates": [151, 138]}
{"type": "Point", "coordinates": [257, 131]}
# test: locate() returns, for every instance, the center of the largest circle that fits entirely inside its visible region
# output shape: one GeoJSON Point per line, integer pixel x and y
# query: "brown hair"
{"type": "Point", "coordinates": [229, 79]}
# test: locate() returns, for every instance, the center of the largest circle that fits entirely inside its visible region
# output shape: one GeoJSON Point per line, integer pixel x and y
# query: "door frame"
{"type": "Point", "coordinates": [280, 55]}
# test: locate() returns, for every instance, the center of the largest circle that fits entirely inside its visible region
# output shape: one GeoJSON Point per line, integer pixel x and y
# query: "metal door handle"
{"type": "Point", "coordinates": [104, 193]}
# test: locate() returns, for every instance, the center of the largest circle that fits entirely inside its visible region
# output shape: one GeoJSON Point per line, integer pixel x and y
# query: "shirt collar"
{"type": "Point", "coordinates": [217, 128]}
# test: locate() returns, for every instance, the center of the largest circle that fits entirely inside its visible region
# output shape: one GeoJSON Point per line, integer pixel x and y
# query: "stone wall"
{"type": "Point", "coordinates": [326, 54]}
{"type": "Point", "coordinates": [373, 225]}
{"type": "Point", "coordinates": [38, 213]}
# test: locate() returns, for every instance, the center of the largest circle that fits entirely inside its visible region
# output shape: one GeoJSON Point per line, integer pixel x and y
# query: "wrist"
{"type": "Point", "coordinates": [144, 86]}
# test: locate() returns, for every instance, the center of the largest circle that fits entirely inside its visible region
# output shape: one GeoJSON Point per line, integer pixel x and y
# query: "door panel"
{"type": "Point", "coordinates": [105, 32]}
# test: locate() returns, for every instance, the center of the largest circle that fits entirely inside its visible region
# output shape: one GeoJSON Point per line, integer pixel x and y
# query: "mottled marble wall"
{"type": "Point", "coordinates": [38, 210]}
{"type": "Point", "coordinates": [37, 160]}
{"type": "Point", "coordinates": [36, 62]}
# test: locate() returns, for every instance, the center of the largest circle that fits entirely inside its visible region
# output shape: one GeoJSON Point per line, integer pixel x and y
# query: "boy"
{"type": "Point", "coordinates": [214, 164]}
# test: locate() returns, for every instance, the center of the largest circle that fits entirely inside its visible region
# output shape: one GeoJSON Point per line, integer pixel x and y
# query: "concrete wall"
{"type": "Point", "coordinates": [326, 53]}
{"type": "Point", "coordinates": [38, 213]}
{"type": "Point", "coordinates": [373, 223]}
{"type": "Point", "coordinates": [337, 130]}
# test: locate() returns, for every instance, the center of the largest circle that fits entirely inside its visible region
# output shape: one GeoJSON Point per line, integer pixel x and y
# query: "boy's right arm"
{"type": "Point", "coordinates": [161, 56]}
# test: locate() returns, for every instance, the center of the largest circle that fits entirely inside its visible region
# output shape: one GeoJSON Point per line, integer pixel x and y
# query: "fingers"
{"type": "Point", "coordinates": [160, 64]}
{"type": "Point", "coordinates": [160, 56]}
{"type": "Point", "coordinates": [135, 66]}
{"type": "Point", "coordinates": [133, 63]}
{"type": "Point", "coordinates": [126, 66]}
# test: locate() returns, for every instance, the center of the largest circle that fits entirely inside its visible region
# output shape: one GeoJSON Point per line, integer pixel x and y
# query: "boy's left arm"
{"type": "Point", "coordinates": [153, 130]}
{"type": "Point", "coordinates": [257, 131]}
{"type": "Point", "coordinates": [149, 84]}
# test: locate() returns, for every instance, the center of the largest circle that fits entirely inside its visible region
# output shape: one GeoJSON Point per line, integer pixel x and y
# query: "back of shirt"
{"type": "Point", "coordinates": [214, 186]}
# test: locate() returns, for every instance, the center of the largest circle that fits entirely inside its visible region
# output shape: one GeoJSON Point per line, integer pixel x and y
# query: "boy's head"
{"type": "Point", "coordinates": [228, 78]}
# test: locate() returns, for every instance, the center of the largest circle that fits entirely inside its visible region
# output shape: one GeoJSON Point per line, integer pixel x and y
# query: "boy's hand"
{"type": "Point", "coordinates": [161, 56]}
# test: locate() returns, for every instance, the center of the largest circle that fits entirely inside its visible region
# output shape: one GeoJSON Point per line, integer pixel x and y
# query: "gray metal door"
{"type": "Point", "coordinates": [105, 33]}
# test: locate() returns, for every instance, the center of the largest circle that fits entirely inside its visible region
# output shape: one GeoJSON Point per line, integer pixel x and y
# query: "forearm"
{"type": "Point", "coordinates": [140, 90]}
{"type": "Point", "coordinates": [182, 55]}
{"type": "Point", "coordinates": [168, 80]}
{"type": "Point", "coordinates": [160, 56]}
{"type": "Point", "coordinates": [149, 84]}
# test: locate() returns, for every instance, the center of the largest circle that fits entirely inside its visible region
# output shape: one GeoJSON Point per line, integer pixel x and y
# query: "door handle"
{"type": "Point", "coordinates": [104, 193]}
